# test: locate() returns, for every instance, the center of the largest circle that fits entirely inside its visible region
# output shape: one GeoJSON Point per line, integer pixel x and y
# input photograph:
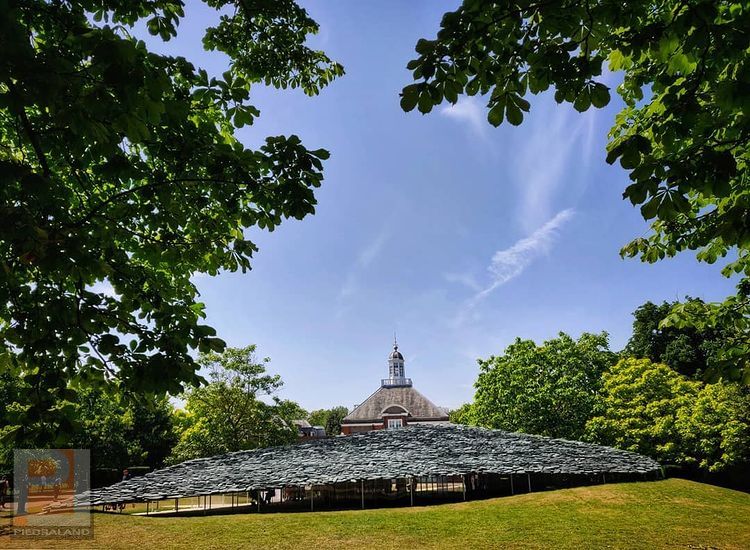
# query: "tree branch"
{"type": "Point", "coordinates": [29, 129]}
{"type": "Point", "coordinates": [133, 190]}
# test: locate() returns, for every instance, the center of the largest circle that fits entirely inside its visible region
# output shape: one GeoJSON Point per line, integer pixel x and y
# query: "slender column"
{"type": "Point", "coordinates": [312, 498]}
{"type": "Point", "coordinates": [146, 507]}
{"type": "Point", "coordinates": [176, 505]}
{"type": "Point", "coordinates": [209, 502]}
{"type": "Point", "coordinates": [529, 476]}
{"type": "Point", "coordinates": [362, 491]}
{"type": "Point", "coordinates": [411, 490]}
{"type": "Point", "coordinates": [257, 493]}
{"type": "Point", "coordinates": [511, 485]}
{"type": "Point", "coordinates": [604, 477]}
{"type": "Point", "coordinates": [463, 485]}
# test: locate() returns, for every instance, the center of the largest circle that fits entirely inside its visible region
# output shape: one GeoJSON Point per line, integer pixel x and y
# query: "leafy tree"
{"type": "Point", "coordinates": [683, 133]}
{"type": "Point", "coordinates": [8, 395]}
{"type": "Point", "coordinates": [121, 177]}
{"type": "Point", "coordinates": [687, 350]}
{"type": "Point", "coordinates": [333, 423]}
{"type": "Point", "coordinates": [152, 426]}
{"type": "Point", "coordinates": [639, 408]}
{"type": "Point", "coordinates": [547, 390]}
{"type": "Point", "coordinates": [716, 427]}
{"type": "Point", "coordinates": [119, 432]}
{"type": "Point", "coordinates": [318, 417]}
{"type": "Point", "coordinates": [649, 408]}
{"type": "Point", "coordinates": [122, 434]}
{"type": "Point", "coordinates": [291, 410]}
{"type": "Point", "coordinates": [40, 411]}
{"type": "Point", "coordinates": [463, 415]}
{"type": "Point", "coordinates": [330, 419]}
{"type": "Point", "coordinates": [229, 413]}
{"type": "Point", "coordinates": [730, 319]}
{"type": "Point", "coordinates": [105, 430]}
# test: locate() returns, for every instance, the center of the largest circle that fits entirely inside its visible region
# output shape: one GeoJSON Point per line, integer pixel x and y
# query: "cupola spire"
{"type": "Point", "coordinates": [396, 372]}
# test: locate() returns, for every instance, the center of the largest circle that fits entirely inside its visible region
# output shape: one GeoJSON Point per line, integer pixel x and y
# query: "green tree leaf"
{"type": "Point", "coordinates": [495, 116]}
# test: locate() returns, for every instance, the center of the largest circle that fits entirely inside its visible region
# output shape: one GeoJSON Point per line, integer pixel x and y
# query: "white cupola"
{"type": "Point", "coordinates": [396, 373]}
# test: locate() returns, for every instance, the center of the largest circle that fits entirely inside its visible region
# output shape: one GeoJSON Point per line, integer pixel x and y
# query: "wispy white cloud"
{"type": "Point", "coordinates": [369, 253]}
{"type": "Point", "coordinates": [466, 279]}
{"type": "Point", "coordinates": [546, 160]}
{"type": "Point", "coordinates": [544, 156]}
{"type": "Point", "coordinates": [469, 110]}
{"type": "Point", "coordinates": [509, 263]}
{"type": "Point", "coordinates": [348, 287]}
{"type": "Point", "coordinates": [365, 257]}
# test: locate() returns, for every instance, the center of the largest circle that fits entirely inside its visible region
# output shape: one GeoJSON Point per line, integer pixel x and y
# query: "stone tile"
{"type": "Point", "coordinates": [412, 451]}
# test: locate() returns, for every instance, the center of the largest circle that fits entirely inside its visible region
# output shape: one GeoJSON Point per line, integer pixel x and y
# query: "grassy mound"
{"type": "Point", "coordinates": [666, 514]}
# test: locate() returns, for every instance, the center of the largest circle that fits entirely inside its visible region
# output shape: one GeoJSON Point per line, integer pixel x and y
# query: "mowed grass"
{"type": "Point", "coordinates": [666, 514]}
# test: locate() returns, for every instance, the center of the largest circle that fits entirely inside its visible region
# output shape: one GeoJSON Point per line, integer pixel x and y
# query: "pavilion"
{"type": "Point", "coordinates": [412, 465]}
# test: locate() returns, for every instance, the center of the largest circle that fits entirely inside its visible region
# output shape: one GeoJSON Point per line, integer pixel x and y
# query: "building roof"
{"type": "Point", "coordinates": [417, 405]}
{"type": "Point", "coordinates": [384, 454]}
{"type": "Point", "coordinates": [395, 354]}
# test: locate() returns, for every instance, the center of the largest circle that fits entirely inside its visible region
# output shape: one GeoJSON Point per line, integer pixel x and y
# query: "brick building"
{"type": "Point", "coordinates": [394, 405]}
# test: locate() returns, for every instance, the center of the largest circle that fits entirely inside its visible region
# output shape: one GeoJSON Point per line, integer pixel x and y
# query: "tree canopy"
{"type": "Point", "coordinates": [716, 428]}
{"type": "Point", "coordinates": [687, 350]}
{"type": "Point", "coordinates": [549, 389]}
{"type": "Point", "coordinates": [121, 177]}
{"type": "Point", "coordinates": [652, 400]}
{"type": "Point", "coordinates": [121, 435]}
{"type": "Point", "coordinates": [119, 432]}
{"type": "Point", "coordinates": [683, 133]}
{"type": "Point", "coordinates": [640, 405]}
{"type": "Point", "coordinates": [232, 412]}
{"type": "Point", "coordinates": [330, 419]}
{"type": "Point", "coordinates": [649, 408]}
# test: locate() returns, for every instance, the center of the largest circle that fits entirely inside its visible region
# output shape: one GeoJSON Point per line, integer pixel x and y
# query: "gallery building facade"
{"type": "Point", "coordinates": [395, 404]}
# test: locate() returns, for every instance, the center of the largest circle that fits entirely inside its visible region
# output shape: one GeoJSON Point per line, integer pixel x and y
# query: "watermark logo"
{"type": "Point", "coordinates": [50, 488]}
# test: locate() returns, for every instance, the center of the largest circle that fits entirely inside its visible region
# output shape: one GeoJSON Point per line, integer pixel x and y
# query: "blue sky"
{"type": "Point", "coordinates": [456, 235]}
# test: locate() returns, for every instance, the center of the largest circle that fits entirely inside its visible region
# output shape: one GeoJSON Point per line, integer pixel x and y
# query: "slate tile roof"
{"type": "Point", "coordinates": [412, 451]}
{"type": "Point", "coordinates": [407, 397]}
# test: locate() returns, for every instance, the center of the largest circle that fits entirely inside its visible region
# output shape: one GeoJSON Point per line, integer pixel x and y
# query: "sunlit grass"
{"type": "Point", "coordinates": [672, 513]}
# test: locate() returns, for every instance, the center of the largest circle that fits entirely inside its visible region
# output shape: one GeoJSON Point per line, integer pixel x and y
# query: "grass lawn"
{"type": "Point", "coordinates": [666, 514]}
